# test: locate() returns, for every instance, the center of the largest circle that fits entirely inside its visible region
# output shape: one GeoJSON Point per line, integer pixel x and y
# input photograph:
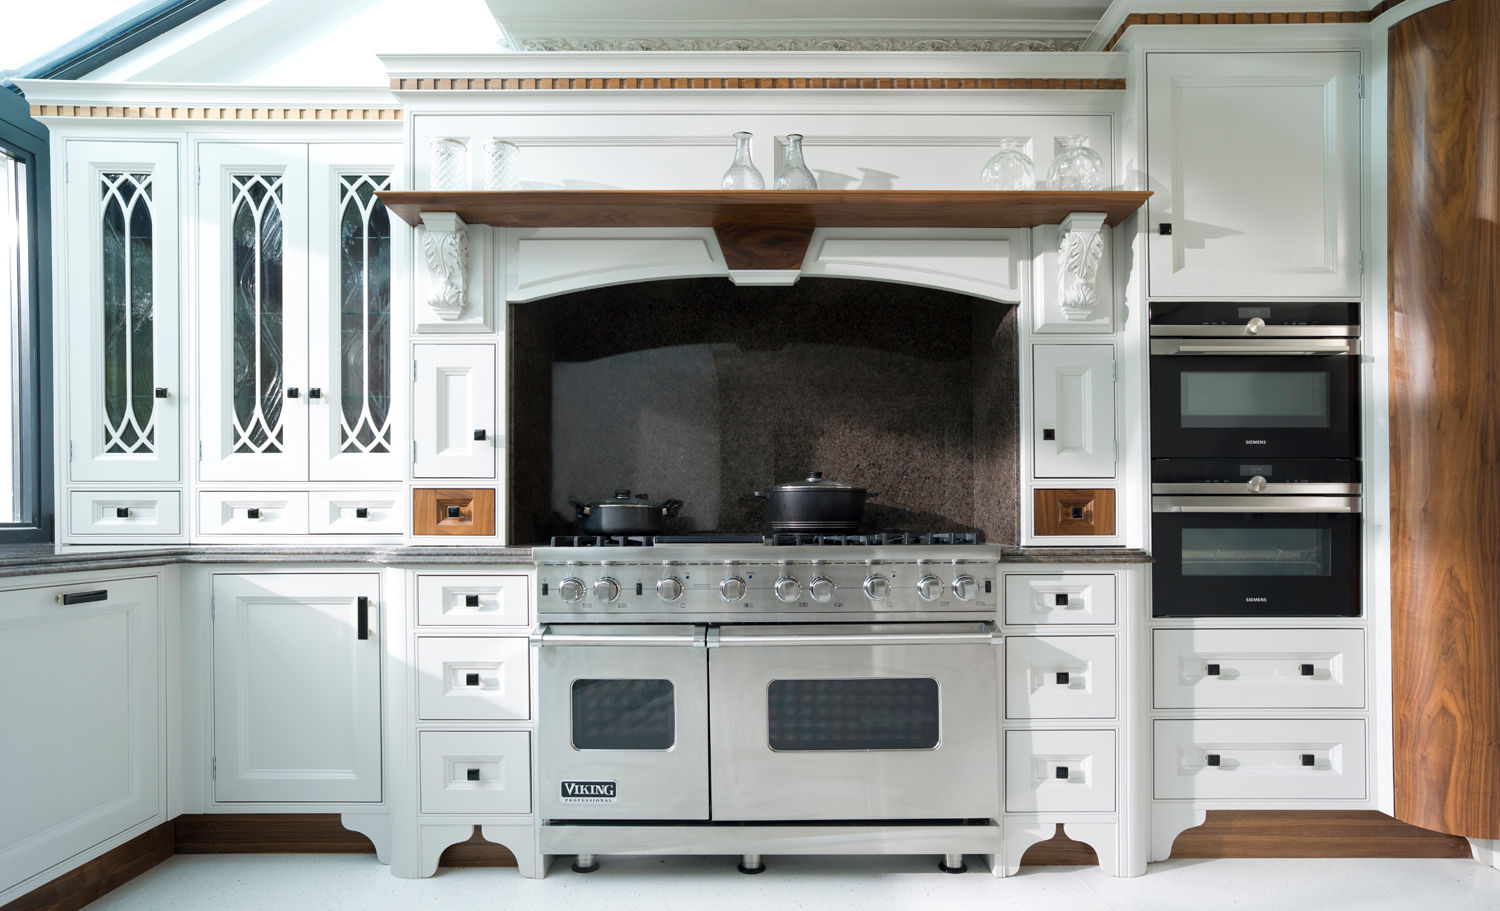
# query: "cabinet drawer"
{"type": "Point", "coordinates": [1060, 677]}
{"type": "Point", "coordinates": [357, 512]}
{"type": "Point", "coordinates": [1261, 760]}
{"type": "Point", "coordinates": [476, 678]}
{"type": "Point", "coordinates": [473, 600]}
{"type": "Point", "coordinates": [476, 773]}
{"type": "Point", "coordinates": [1259, 668]}
{"type": "Point", "coordinates": [1059, 771]}
{"type": "Point", "coordinates": [453, 512]}
{"type": "Point", "coordinates": [252, 512]}
{"type": "Point", "coordinates": [1060, 599]}
{"type": "Point", "coordinates": [118, 512]}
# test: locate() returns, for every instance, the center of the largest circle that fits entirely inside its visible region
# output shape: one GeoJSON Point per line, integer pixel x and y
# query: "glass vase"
{"type": "Point", "coordinates": [794, 174]}
{"type": "Point", "coordinates": [1010, 168]}
{"type": "Point", "coordinates": [1076, 166]}
{"type": "Point", "coordinates": [742, 174]}
{"type": "Point", "coordinates": [448, 164]}
{"type": "Point", "coordinates": [501, 159]}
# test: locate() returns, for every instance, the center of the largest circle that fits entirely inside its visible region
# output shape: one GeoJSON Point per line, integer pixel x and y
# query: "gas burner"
{"type": "Point", "coordinates": [878, 539]}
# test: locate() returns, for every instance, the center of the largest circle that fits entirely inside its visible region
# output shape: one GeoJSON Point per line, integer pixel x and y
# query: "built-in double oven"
{"type": "Point", "coordinates": [1255, 460]}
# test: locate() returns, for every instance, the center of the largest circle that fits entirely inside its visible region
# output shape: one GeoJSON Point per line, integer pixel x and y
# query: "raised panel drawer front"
{"type": "Point", "coordinates": [453, 411]}
{"type": "Point", "coordinates": [357, 512]}
{"type": "Point", "coordinates": [473, 678]}
{"type": "Point", "coordinates": [1259, 668]}
{"type": "Point", "coordinates": [1283, 759]}
{"type": "Point", "coordinates": [119, 512]}
{"type": "Point", "coordinates": [476, 772]}
{"type": "Point", "coordinates": [252, 512]}
{"type": "Point", "coordinates": [1060, 677]}
{"type": "Point", "coordinates": [1060, 599]}
{"type": "Point", "coordinates": [444, 600]}
{"type": "Point", "coordinates": [1059, 771]}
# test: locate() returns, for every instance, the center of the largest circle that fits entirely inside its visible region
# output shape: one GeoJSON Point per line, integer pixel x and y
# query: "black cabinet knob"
{"type": "Point", "coordinates": [1212, 670]}
{"type": "Point", "coordinates": [1060, 600]}
{"type": "Point", "coordinates": [1061, 772]}
{"type": "Point", "coordinates": [161, 392]}
{"type": "Point", "coordinates": [292, 393]}
{"type": "Point", "coordinates": [1213, 759]}
{"type": "Point", "coordinates": [479, 434]}
{"type": "Point", "coordinates": [1309, 759]}
{"type": "Point", "coordinates": [314, 393]}
{"type": "Point", "coordinates": [1308, 670]}
{"type": "Point", "coordinates": [473, 775]}
{"type": "Point", "coordinates": [1164, 229]}
{"type": "Point", "coordinates": [471, 600]}
{"type": "Point", "coordinates": [471, 679]}
{"type": "Point", "coordinates": [253, 512]}
{"type": "Point", "coordinates": [1049, 433]}
{"type": "Point", "coordinates": [1076, 512]}
{"type": "Point", "coordinates": [361, 512]}
{"type": "Point", "coordinates": [454, 512]}
{"type": "Point", "coordinates": [1062, 677]}
{"type": "Point", "coordinates": [122, 512]}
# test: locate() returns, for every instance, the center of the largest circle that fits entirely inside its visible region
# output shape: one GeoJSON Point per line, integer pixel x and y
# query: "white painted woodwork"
{"type": "Point", "coordinates": [1033, 760]}
{"type": "Point", "coordinates": [1073, 398]}
{"type": "Point", "coordinates": [252, 512]}
{"type": "Point", "coordinates": [1047, 314]}
{"type": "Point", "coordinates": [1034, 689]}
{"type": "Point", "coordinates": [81, 282]}
{"type": "Point", "coordinates": [147, 512]}
{"type": "Point", "coordinates": [1254, 159]}
{"type": "Point", "coordinates": [337, 512]}
{"type": "Point", "coordinates": [473, 678]}
{"type": "Point", "coordinates": [329, 458]}
{"type": "Point", "coordinates": [1060, 598]}
{"type": "Point", "coordinates": [991, 264]}
{"type": "Point", "coordinates": [296, 691]}
{"type": "Point", "coordinates": [80, 720]}
{"type": "Point", "coordinates": [456, 395]}
{"type": "Point", "coordinates": [443, 600]}
{"type": "Point", "coordinates": [1261, 760]}
{"type": "Point", "coordinates": [475, 772]}
{"type": "Point", "coordinates": [542, 262]}
{"type": "Point", "coordinates": [1259, 668]}
{"type": "Point", "coordinates": [218, 162]}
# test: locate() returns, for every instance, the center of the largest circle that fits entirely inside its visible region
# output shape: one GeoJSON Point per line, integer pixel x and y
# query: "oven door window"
{"type": "Point", "coordinates": [626, 714]}
{"type": "Point", "coordinates": [1257, 552]}
{"type": "Point", "coordinates": [1252, 399]}
{"type": "Point", "coordinates": [880, 713]}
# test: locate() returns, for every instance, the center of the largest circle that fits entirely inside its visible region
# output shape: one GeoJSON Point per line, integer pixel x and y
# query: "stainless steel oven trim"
{"type": "Point", "coordinates": [857, 634]}
{"type": "Point", "coordinates": [1272, 488]}
{"type": "Point", "coordinates": [1267, 331]}
{"type": "Point", "coordinates": [1243, 346]}
{"type": "Point", "coordinates": [1253, 504]}
{"type": "Point", "coordinates": [612, 635]}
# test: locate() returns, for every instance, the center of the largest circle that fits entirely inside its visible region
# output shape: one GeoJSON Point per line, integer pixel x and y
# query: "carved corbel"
{"type": "Point", "coordinates": [445, 240]}
{"type": "Point", "coordinates": [1080, 248]}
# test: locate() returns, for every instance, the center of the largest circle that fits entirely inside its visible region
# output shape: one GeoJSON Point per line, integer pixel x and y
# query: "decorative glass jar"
{"type": "Point", "coordinates": [1011, 168]}
{"type": "Point", "coordinates": [742, 174]}
{"type": "Point", "coordinates": [794, 173]}
{"type": "Point", "coordinates": [1076, 166]}
{"type": "Point", "coordinates": [501, 158]}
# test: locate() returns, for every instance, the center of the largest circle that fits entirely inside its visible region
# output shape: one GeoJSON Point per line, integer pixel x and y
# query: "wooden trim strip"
{"type": "Point", "coordinates": [168, 112]}
{"type": "Point", "coordinates": [100, 876]}
{"type": "Point", "coordinates": [658, 83]}
{"type": "Point", "coordinates": [1316, 18]}
{"type": "Point", "coordinates": [267, 833]}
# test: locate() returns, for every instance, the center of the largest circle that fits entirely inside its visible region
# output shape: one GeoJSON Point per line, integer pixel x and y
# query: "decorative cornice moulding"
{"type": "Point", "coordinates": [879, 44]}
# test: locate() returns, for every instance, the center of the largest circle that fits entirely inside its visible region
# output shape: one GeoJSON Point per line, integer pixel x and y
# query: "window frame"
{"type": "Point", "coordinates": [26, 140]}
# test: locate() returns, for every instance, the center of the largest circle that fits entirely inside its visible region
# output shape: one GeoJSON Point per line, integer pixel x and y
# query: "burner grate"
{"type": "Point", "coordinates": [602, 541]}
{"type": "Point", "coordinates": [878, 539]}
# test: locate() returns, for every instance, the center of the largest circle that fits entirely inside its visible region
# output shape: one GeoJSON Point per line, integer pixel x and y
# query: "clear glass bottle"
{"type": "Point", "coordinates": [794, 173]}
{"type": "Point", "coordinates": [1076, 166]}
{"type": "Point", "coordinates": [742, 175]}
{"type": "Point", "coordinates": [1010, 168]}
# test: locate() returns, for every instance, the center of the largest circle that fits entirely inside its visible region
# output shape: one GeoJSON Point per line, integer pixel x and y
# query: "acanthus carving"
{"type": "Point", "coordinates": [446, 243]}
{"type": "Point", "coordinates": [1080, 249]}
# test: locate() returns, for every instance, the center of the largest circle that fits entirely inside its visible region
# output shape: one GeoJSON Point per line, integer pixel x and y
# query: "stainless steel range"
{"type": "Point", "coordinates": [780, 685]}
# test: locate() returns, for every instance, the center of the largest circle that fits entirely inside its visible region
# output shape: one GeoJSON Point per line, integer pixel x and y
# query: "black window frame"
{"type": "Point", "coordinates": [23, 138]}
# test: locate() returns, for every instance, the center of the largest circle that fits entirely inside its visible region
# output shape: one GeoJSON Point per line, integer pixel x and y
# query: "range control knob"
{"type": "Point", "coordinates": [821, 588]}
{"type": "Point", "coordinates": [571, 590]}
{"type": "Point", "coordinates": [964, 587]}
{"type": "Point", "coordinates": [732, 588]}
{"type": "Point", "coordinates": [1256, 484]}
{"type": "Point", "coordinates": [606, 589]}
{"type": "Point", "coordinates": [930, 587]}
{"type": "Point", "coordinates": [669, 589]}
{"type": "Point", "coordinates": [788, 589]}
{"type": "Point", "coordinates": [877, 587]}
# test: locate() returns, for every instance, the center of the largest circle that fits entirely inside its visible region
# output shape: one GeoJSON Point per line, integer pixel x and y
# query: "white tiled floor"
{"type": "Point", "coordinates": [301, 882]}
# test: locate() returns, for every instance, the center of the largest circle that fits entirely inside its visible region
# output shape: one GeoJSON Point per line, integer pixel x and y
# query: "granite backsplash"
{"type": "Point", "coordinates": [705, 391]}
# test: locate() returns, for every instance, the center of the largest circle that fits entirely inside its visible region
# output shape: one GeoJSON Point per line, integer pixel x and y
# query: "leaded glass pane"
{"type": "Point", "coordinates": [365, 315]}
{"type": "Point", "coordinates": [128, 311]}
{"type": "Point", "coordinates": [258, 376]}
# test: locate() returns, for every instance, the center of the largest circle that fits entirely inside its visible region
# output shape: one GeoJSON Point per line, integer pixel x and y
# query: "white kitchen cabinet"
{"type": "Point", "coordinates": [121, 291]}
{"type": "Point", "coordinates": [1060, 677]}
{"type": "Point", "coordinates": [80, 719]}
{"type": "Point", "coordinates": [1073, 411]}
{"type": "Point", "coordinates": [1255, 166]}
{"type": "Point", "coordinates": [1060, 771]}
{"type": "Point", "coordinates": [295, 290]}
{"type": "Point", "coordinates": [476, 678]}
{"type": "Point", "coordinates": [1265, 760]}
{"type": "Point", "coordinates": [1259, 668]}
{"type": "Point", "coordinates": [454, 430]}
{"type": "Point", "coordinates": [296, 668]}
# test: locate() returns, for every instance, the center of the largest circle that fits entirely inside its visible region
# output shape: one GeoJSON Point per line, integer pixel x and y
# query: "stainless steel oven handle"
{"type": "Point", "coordinates": [1259, 346]}
{"type": "Point", "coordinates": [1256, 504]}
{"type": "Point", "coordinates": [548, 637]}
{"type": "Point", "coordinates": [730, 640]}
{"type": "Point", "coordinates": [1274, 488]}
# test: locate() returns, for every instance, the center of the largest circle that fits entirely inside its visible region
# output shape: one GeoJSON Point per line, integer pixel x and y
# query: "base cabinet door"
{"type": "Point", "coordinates": [80, 730]}
{"type": "Point", "coordinates": [1073, 411]}
{"type": "Point", "coordinates": [296, 687]}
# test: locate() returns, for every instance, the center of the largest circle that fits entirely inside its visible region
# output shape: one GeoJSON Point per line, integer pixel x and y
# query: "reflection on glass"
{"type": "Point", "coordinates": [255, 225]}
{"type": "Point", "coordinates": [884, 713]}
{"type": "Point", "coordinates": [1255, 399]}
{"type": "Point", "coordinates": [365, 315]}
{"type": "Point", "coordinates": [1257, 551]}
{"type": "Point", "coordinates": [129, 405]}
{"type": "Point", "coordinates": [624, 715]}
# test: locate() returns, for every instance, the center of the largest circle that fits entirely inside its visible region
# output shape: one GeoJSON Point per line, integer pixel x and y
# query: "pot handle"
{"type": "Point", "coordinates": [671, 507]}
{"type": "Point", "coordinates": [757, 493]}
{"type": "Point", "coordinates": [579, 505]}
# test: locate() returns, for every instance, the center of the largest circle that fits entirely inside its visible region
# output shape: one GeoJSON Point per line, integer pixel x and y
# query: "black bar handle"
{"type": "Point", "coordinates": [363, 622]}
{"type": "Point", "coordinates": [85, 597]}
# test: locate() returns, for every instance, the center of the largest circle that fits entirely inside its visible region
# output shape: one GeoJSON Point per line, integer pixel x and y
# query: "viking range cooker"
{"type": "Point", "coordinates": [747, 695]}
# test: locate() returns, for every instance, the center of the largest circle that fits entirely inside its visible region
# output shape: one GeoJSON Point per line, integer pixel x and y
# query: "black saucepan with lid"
{"type": "Point", "coordinates": [815, 504]}
{"type": "Point", "coordinates": [624, 514]}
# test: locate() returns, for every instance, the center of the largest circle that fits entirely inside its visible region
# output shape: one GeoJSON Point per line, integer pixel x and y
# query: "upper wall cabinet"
{"type": "Point", "coordinates": [296, 346]}
{"type": "Point", "coordinates": [121, 294]}
{"type": "Point", "coordinates": [1255, 162]}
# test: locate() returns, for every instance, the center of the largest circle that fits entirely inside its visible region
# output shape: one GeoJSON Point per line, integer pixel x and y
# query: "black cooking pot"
{"type": "Point", "coordinates": [815, 504]}
{"type": "Point", "coordinates": [624, 514]}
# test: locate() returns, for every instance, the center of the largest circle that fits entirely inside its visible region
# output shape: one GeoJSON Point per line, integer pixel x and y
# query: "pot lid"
{"type": "Point", "coordinates": [623, 497]}
{"type": "Point", "coordinates": [816, 481]}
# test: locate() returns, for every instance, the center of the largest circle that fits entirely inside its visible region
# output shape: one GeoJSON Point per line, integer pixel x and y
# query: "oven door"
{"type": "Point", "coordinates": [1214, 398]}
{"type": "Point", "coordinates": [848, 722]}
{"type": "Point", "coordinates": [623, 722]}
{"type": "Point", "coordinates": [1258, 556]}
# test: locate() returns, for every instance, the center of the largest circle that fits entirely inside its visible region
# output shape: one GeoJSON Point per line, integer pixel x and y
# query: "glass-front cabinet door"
{"type": "Point", "coordinates": [121, 297]}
